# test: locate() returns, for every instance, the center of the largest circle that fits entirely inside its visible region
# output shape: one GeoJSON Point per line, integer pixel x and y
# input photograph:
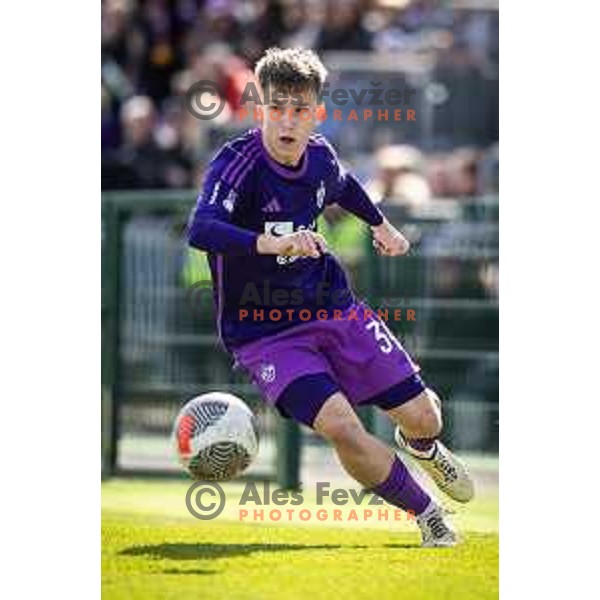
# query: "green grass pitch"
{"type": "Point", "coordinates": [152, 548]}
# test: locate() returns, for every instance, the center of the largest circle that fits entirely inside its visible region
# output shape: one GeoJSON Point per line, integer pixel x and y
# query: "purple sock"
{"type": "Point", "coordinates": [421, 444]}
{"type": "Point", "coordinates": [400, 489]}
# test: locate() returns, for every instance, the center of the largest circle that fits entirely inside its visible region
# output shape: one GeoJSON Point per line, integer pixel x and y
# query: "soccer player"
{"type": "Point", "coordinates": [285, 309]}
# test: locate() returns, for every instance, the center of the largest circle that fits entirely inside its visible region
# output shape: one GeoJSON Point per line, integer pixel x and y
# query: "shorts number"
{"type": "Point", "coordinates": [383, 336]}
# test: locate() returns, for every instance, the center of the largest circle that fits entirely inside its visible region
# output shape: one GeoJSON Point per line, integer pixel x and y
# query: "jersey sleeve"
{"type": "Point", "coordinates": [210, 225]}
{"type": "Point", "coordinates": [349, 193]}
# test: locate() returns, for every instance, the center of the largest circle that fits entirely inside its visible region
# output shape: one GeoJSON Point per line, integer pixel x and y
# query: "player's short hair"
{"type": "Point", "coordinates": [291, 69]}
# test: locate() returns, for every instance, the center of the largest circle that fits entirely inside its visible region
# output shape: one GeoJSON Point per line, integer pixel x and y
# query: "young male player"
{"type": "Point", "coordinates": [314, 351]}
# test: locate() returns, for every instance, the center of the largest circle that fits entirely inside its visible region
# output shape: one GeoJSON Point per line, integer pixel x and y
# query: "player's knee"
{"type": "Point", "coordinates": [429, 421]}
{"type": "Point", "coordinates": [430, 425]}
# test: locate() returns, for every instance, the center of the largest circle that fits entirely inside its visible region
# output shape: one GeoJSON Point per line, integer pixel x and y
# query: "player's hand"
{"type": "Point", "coordinates": [299, 243]}
{"type": "Point", "coordinates": [388, 241]}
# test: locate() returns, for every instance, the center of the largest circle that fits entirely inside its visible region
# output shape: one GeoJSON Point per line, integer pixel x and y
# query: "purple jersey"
{"type": "Point", "coordinates": [246, 193]}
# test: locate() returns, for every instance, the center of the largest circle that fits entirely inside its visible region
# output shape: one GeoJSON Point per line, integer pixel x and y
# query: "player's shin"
{"type": "Point", "coordinates": [401, 489]}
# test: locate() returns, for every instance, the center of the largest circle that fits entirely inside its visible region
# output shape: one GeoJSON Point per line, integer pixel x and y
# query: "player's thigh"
{"type": "Point", "coordinates": [290, 374]}
{"type": "Point", "coordinates": [369, 362]}
{"type": "Point", "coordinates": [420, 416]}
{"type": "Point", "coordinates": [305, 396]}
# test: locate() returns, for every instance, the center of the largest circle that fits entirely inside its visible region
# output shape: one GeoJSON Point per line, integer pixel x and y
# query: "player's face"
{"type": "Point", "coordinates": [287, 126]}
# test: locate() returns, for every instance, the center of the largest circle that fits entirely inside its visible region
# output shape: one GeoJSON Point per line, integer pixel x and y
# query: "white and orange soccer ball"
{"type": "Point", "coordinates": [216, 437]}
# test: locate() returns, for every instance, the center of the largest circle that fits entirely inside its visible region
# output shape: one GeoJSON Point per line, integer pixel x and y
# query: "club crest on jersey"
{"type": "Point", "coordinates": [321, 194]}
{"type": "Point", "coordinates": [267, 373]}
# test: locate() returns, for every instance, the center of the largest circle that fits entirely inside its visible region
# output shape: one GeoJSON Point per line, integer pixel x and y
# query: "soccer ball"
{"type": "Point", "coordinates": [216, 437]}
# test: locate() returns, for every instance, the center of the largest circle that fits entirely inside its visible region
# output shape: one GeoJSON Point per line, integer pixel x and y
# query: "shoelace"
{"type": "Point", "coordinates": [437, 526]}
{"type": "Point", "coordinates": [446, 467]}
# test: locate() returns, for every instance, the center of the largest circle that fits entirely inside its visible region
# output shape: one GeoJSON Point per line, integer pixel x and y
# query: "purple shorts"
{"type": "Point", "coordinates": [299, 368]}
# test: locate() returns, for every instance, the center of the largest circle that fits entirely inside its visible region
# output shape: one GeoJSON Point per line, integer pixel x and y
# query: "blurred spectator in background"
{"type": "Point", "coordinates": [463, 173]}
{"type": "Point", "coordinates": [111, 132]}
{"type": "Point", "coordinates": [402, 25]}
{"type": "Point", "coordinates": [217, 23]}
{"type": "Point", "coordinates": [399, 179]}
{"type": "Point", "coordinates": [149, 157]}
{"type": "Point", "coordinates": [477, 31]}
{"type": "Point", "coordinates": [301, 23]}
{"type": "Point", "coordinates": [342, 27]}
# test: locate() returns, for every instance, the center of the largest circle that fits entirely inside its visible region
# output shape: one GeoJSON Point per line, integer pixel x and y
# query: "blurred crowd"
{"type": "Point", "coordinates": [404, 175]}
{"type": "Point", "coordinates": [154, 50]}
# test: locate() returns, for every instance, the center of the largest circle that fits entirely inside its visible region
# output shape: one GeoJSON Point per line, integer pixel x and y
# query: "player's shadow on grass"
{"type": "Point", "coordinates": [210, 551]}
{"type": "Point", "coordinates": [403, 546]}
{"type": "Point", "coordinates": [188, 572]}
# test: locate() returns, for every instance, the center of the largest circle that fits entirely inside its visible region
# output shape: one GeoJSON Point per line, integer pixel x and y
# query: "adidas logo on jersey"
{"type": "Point", "coordinates": [272, 206]}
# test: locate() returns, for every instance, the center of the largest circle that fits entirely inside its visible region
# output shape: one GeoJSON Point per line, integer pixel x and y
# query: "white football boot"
{"type": "Point", "coordinates": [447, 471]}
{"type": "Point", "coordinates": [436, 531]}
